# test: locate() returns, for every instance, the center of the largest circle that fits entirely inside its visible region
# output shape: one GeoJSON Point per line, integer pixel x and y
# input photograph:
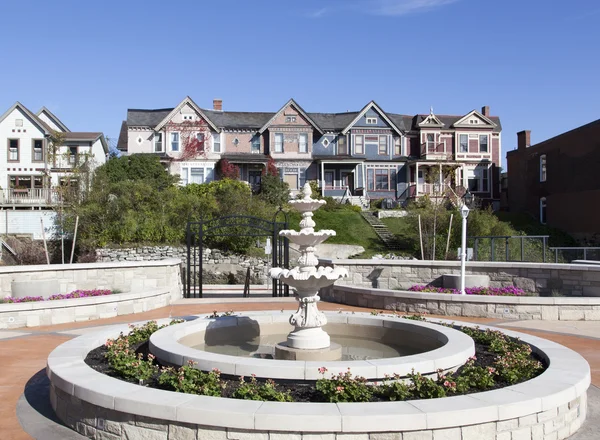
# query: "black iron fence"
{"type": "Point", "coordinates": [527, 248]}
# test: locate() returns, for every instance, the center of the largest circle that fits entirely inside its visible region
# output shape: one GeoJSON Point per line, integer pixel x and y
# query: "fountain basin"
{"type": "Point", "coordinates": [91, 402]}
{"type": "Point", "coordinates": [427, 347]}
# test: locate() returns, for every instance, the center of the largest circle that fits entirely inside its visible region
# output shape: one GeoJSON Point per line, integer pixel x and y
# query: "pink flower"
{"type": "Point", "coordinates": [322, 370]}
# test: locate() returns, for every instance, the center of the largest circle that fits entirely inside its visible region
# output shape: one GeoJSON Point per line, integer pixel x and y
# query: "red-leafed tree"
{"type": "Point", "coordinates": [270, 169]}
{"type": "Point", "coordinates": [228, 170]}
{"type": "Point", "coordinates": [194, 138]}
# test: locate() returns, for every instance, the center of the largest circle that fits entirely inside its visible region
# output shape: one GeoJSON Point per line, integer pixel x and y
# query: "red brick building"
{"type": "Point", "coordinates": [558, 181]}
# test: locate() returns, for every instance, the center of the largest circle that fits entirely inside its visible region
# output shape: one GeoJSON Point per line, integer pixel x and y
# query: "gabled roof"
{"type": "Point", "coordinates": [53, 117]}
{"type": "Point", "coordinates": [86, 136]}
{"type": "Point", "coordinates": [431, 121]}
{"type": "Point", "coordinates": [300, 110]}
{"type": "Point", "coordinates": [186, 101]}
{"type": "Point", "coordinates": [239, 120]}
{"type": "Point", "coordinates": [17, 105]}
{"type": "Point", "coordinates": [462, 121]}
{"type": "Point", "coordinates": [123, 139]}
{"type": "Point", "coordinates": [411, 123]}
{"type": "Point", "coordinates": [372, 105]}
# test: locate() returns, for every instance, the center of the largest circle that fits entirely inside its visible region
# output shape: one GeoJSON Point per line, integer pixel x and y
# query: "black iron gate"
{"type": "Point", "coordinates": [232, 226]}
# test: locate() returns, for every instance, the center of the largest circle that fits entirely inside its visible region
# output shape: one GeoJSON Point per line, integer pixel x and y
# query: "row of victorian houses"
{"type": "Point", "coordinates": [365, 154]}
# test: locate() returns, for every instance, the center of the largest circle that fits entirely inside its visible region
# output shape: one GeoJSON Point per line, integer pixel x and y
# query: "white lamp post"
{"type": "Point", "coordinates": [464, 212]}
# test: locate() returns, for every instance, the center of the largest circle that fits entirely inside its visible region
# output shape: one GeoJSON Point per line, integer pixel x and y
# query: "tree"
{"type": "Point", "coordinates": [228, 170]}
{"type": "Point", "coordinates": [273, 190]}
{"type": "Point", "coordinates": [135, 167]}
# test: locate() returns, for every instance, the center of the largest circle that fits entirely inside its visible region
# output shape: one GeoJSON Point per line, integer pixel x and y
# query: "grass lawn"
{"type": "Point", "coordinates": [350, 227]}
{"type": "Point", "coordinates": [530, 226]}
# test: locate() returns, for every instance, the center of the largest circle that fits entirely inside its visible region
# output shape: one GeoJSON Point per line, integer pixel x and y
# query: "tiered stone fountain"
{"type": "Point", "coordinates": [308, 340]}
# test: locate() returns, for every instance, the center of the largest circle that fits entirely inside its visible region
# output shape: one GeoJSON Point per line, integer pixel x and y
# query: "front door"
{"type": "Point", "coordinates": [329, 179]}
{"type": "Point", "coordinates": [254, 179]}
{"type": "Point", "coordinates": [348, 180]}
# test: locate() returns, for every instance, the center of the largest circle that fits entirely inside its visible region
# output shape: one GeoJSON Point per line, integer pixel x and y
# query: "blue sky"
{"type": "Point", "coordinates": [534, 62]}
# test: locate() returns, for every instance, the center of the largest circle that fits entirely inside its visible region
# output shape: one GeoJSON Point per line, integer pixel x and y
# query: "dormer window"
{"type": "Point", "coordinates": [290, 119]}
{"type": "Point", "coordinates": [372, 121]}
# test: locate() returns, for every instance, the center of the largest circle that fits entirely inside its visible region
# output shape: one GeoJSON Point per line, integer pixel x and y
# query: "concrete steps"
{"type": "Point", "coordinates": [382, 231]}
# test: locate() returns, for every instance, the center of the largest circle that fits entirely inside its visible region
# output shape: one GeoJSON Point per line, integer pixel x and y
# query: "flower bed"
{"type": "Point", "coordinates": [487, 291]}
{"type": "Point", "coordinates": [71, 295]}
{"type": "Point", "coordinates": [499, 361]}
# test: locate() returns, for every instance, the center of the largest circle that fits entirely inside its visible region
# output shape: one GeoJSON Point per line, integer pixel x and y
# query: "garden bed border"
{"type": "Point", "coordinates": [553, 404]}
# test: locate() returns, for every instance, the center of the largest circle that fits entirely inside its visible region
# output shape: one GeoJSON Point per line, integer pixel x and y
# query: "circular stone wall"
{"type": "Point", "coordinates": [553, 404]}
{"type": "Point", "coordinates": [449, 348]}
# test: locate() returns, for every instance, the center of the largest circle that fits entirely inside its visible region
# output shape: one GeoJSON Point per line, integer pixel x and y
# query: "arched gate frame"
{"type": "Point", "coordinates": [221, 227]}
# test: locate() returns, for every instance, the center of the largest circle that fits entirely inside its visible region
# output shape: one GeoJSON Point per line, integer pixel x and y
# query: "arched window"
{"type": "Point", "coordinates": [543, 168]}
{"type": "Point", "coordinates": [543, 210]}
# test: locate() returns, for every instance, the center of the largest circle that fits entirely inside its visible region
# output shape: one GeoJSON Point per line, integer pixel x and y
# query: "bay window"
{"type": "Point", "coordinates": [342, 149]}
{"type": "Point", "coordinates": [256, 144]}
{"type": "Point", "coordinates": [381, 179]}
{"type": "Point", "coordinates": [478, 180]}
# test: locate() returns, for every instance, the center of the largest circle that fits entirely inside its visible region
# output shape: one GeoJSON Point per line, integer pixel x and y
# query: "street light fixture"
{"type": "Point", "coordinates": [464, 212]}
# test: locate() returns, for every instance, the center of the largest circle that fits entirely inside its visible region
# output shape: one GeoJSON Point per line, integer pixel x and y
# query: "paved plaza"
{"type": "Point", "coordinates": [25, 412]}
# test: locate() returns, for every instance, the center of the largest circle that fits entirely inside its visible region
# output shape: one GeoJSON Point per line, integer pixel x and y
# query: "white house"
{"type": "Point", "coordinates": [29, 171]}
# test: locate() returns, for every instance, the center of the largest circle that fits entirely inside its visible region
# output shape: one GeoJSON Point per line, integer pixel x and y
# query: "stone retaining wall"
{"type": "Point", "coordinates": [544, 279]}
{"type": "Point", "coordinates": [145, 286]}
{"type": "Point", "coordinates": [99, 423]}
{"type": "Point", "coordinates": [504, 307]}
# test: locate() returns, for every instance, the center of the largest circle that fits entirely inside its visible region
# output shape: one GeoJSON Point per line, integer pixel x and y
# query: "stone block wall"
{"type": "Point", "coordinates": [214, 261]}
{"type": "Point", "coordinates": [502, 307]}
{"type": "Point", "coordinates": [145, 286]}
{"type": "Point", "coordinates": [544, 279]}
{"type": "Point", "coordinates": [99, 423]}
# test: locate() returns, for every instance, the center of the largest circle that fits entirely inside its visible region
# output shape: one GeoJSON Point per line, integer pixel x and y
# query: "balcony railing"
{"type": "Point", "coordinates": [29, 196]}
{"type": "Point", "coordinates": [435, 150]}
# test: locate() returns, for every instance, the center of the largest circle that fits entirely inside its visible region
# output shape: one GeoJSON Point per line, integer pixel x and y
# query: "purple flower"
{"type": "Point", "coordinates": [490, 291]}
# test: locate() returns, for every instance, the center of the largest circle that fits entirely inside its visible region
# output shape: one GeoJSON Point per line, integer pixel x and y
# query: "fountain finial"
{"type": "Point", "coordinates": [307, 191]}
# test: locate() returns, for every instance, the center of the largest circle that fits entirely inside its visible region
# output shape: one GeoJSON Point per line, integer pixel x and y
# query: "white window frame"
{"type": "Point", "coordinates": [255, 145]}
{"type": "Point", "coordinates": [216, 141]}
{"type": "Point", "coordinates": [278, 144]}
{"type": "Point", "coordinates": [289, 119]}
{"type": "Point", "coordinates": [173, 142]}
{"type": "Point", "coordinates": [487, 136]}
{"type": "Point", "coordinates": [158, 136]}
{"type": "Point", "coordinates": [325, 142]}
{"type": "Point", "coordinates": [460, 142]}
{"type": "Point", "coordinates": [369, 120]}
{"type": "Point", "coordinates": [362, 144]}
{"type": "Point", "coordinates": [184, 176]}
{"type": "Point", "coordinates": [303, 145]}
{"type": "Point", "coordinates": [543, 168]}
{"type": "Point", "coordinates": [397, 146]}
{"type": "Point", "coordinates": [543, 210]}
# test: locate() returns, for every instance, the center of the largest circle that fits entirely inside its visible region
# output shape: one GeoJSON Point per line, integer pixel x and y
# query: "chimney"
{"type": "Point", "coordinates": [218, 104]}
{"type": "Point", "coordinates": [485, 111]}
{"type": "Point", "coordinates": [523, 139]}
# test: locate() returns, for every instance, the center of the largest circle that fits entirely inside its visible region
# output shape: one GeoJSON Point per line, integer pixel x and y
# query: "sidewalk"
{"type": "Point", "coordinates": [23, 352]}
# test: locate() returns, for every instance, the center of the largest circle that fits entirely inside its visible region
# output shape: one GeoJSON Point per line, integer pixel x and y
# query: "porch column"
{"type": "Point", "coordinates": [441, 178]}
{"type": "Point", "coordinates": [417, 179]}
{"type": "Point", "coordinates": [323, 179]}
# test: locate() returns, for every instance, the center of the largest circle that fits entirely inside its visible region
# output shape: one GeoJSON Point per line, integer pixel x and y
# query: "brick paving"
{"type": "Point", "coordinates": [22, 356]}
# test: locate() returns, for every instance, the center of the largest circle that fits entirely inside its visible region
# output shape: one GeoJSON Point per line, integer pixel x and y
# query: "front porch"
{"type": "Point", "coordinates": [29, 197]}
{"type": "Point", "coordinates": [341, 179]}
{"type": "Point", "coordinates": [435, 180]}
{"type": "Point", "coordinates": [251, 167]}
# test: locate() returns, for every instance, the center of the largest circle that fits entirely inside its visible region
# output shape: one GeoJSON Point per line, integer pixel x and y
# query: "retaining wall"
{"type": "Point", "coordinates": [544, 279]}
{"type": "Point", "coordinates": [550, 406]}
{"type": "Point", "coordinates": [504, 307]}
{"type": "Point", "coordinates": [145, 286]}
